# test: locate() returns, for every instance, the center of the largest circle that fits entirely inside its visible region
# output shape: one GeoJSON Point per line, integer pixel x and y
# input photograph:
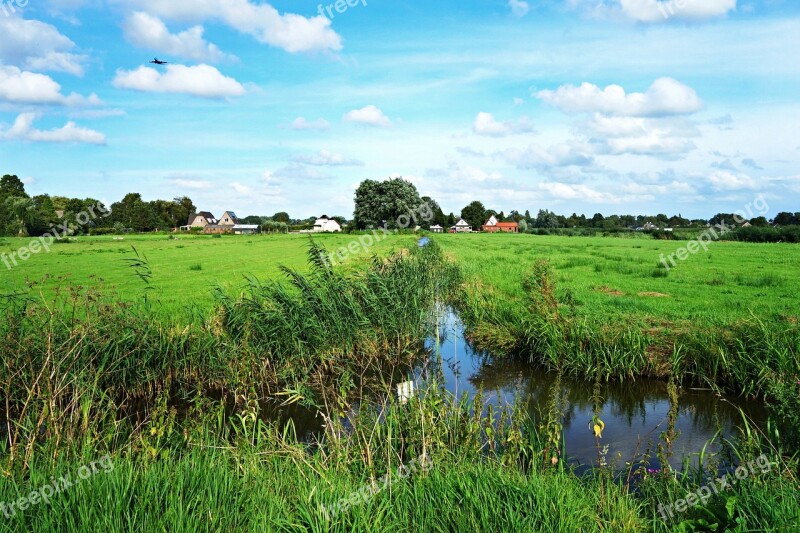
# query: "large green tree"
{"type": "Point", "coordinates": [134, 213]}
{"type": "Point", "coordinates": [22, 212]}
{"type": "Point", "coordinates": [475, 214]}
{"type": "Point", "coordinates": [439, 218]}
{"type": "Point", "coordinates": [390, 203]}
{"type": "Point", "coordinates": [10, 187]}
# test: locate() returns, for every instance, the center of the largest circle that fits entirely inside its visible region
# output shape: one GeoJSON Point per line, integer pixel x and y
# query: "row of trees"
{"type": "Point", "coordinates": [377, 204]}
{"type": "Point", "coordinates": [381, 203]}
{"type": "Point", "coordinates": [23, 215]}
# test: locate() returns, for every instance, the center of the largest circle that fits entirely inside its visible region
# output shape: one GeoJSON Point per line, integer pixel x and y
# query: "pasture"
{"type": "Point", "coordinates": [606, 278]}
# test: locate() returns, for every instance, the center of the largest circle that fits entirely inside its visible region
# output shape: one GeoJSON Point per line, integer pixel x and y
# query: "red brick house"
{"type": "Point", "coordinates": [493, 226]}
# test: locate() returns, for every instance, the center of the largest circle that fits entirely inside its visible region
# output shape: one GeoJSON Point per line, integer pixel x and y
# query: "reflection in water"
{"type": "Point", "coordinates": [635, 412]}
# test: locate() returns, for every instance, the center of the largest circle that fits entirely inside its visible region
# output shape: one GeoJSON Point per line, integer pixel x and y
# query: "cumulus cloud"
{"type": "Point", "coordinates": [146, 31]}
{"type": "Point", "coordinates": [723, 180]}
{"type": "Point", "coordinates": [70, 133]}
{"type": "Point", "coordinates": [573, 191]}
{"type": "Point", "coordinates": [665, 97]}
{"type": "Point", "coordinates": [661, 137]}
{"type": "Point", "coordinates": [324, 158]}
{"type": "Point", "coordinates": [368, 116]}
{"type": "Point", "coordinates": [560, 155]}
{"type": "Point", "coordinates": [290, 32]}
{"type": "Point", "coordinates": [200, 80]}
{"type": "Point", "coordinates": [485, 124]}
{"type": "Point", "coordinates": [23, 87]}
{"type": "Point", "coordinates": [34, 45]}
{"type": "Point", "coordinates": [301, 123]}
{"type": "Point", "coordinates": [519, 8]}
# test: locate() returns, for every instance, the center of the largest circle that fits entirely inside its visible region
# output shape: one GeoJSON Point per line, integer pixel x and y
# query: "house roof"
{"type": "Point", "coordinates": [461, 222]}
{"type": "Point", "coordinates": [205, 214]}
{"type": "Point", "coordinates": [507, 225]}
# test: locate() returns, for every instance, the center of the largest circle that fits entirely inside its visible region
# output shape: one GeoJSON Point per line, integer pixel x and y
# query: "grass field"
{"type": "Point", "coordinates": [185, 270]}
{"type": "Point", "coordinates": [111, 378]}
{"type": "Point", "coordinates": [607, 277]}
{"type": "Point", "coordinates": [614, 278]}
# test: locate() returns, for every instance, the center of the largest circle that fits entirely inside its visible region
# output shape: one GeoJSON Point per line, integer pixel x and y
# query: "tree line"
{"type": "Point", "coordinates": [380, 203]}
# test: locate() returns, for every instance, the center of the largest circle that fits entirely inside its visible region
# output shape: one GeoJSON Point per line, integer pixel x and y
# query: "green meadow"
{"type": "Point", "coordinates": [176, 399]}
{"type": "Point", "coordinates": [605, 277]}
{"type": "Point", "coordinates": [615, 278]}
{"type": "Point", "coordinates": [185, 269]}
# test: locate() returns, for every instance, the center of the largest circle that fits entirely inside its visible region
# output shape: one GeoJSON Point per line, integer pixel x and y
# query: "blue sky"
{"type": "Point", "coordinates": [611, 106]}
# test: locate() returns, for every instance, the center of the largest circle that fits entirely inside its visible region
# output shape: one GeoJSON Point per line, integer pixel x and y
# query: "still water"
{"type": "Point", "coordinates": [635, 412]}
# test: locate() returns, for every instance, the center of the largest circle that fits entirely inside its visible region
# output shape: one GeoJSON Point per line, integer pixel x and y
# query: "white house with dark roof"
{"type": "Point", "coordinates": [461, 227]}
{"type": "Point", "coordinates": [326, 225]}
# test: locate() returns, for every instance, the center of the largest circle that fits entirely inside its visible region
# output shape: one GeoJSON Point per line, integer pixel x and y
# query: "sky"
{"type": "Point", "coordinates": [685, 107]}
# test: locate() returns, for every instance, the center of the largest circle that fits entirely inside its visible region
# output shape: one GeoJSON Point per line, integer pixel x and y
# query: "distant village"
{"type": "Point", "coordinates": [229, 223]}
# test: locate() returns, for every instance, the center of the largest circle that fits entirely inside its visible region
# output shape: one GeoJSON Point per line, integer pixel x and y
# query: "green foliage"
{"type": "Point", "coordinates": [475, 215]}
{"type": "Point", "coordinates": [385, 202]}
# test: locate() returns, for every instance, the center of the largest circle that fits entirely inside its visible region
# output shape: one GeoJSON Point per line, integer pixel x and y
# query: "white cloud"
{"type": "Point", "coordinates": [485, 124]}
{"type": "Point", "coordinates": [200, 80]}
{"type": "Point", "coordinates": [146, 31]}
{"type": "Point", "coordinates": [665, 97]}
{"type": "Point", "coordinates": [290, 32]}
{"type": "Point", "coordinates": [70, 133]}
{"type": "Point", "coordinates": [241, 188]}
{"type": "Point", "coordinates": [663, 137]}
{"type": "Point", "coordinates": [663, 10]}
{"type": "Point", "coordinates": [369, 116]}
{"type": "Point", "coordinates": [23, 87]}
{"type": "Point", "coordinates": [325, 158]}
{"type": "Point", "coordinates": [655, 11]}
{"type": "Point", "coordinates": [560, 155]}
{"type": "Point", "coordinates": [722, 180]}
{"type": "Point", "coordinates": [571, 191]}
{"type": "Point", "coordinates": [519, 8]}
{"type": "Point", "coordinates": [301, 123]}
{"type": "Point", "coordinates": [34, 45]}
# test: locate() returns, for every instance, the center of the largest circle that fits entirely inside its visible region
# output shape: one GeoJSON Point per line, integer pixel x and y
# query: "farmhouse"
{"type": "Point", "coordinates": [201, 220]}
{"type": "Point", "coordinates": [326, 225]}
{"type": "Point", "coordinates": [461, 227]}
{"type": "Point", "coordinates": [225, 224]}
{"type": "Point", "coordinates": [437, 229]}
{"type": "Point", "coordinates": [493, 226]}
